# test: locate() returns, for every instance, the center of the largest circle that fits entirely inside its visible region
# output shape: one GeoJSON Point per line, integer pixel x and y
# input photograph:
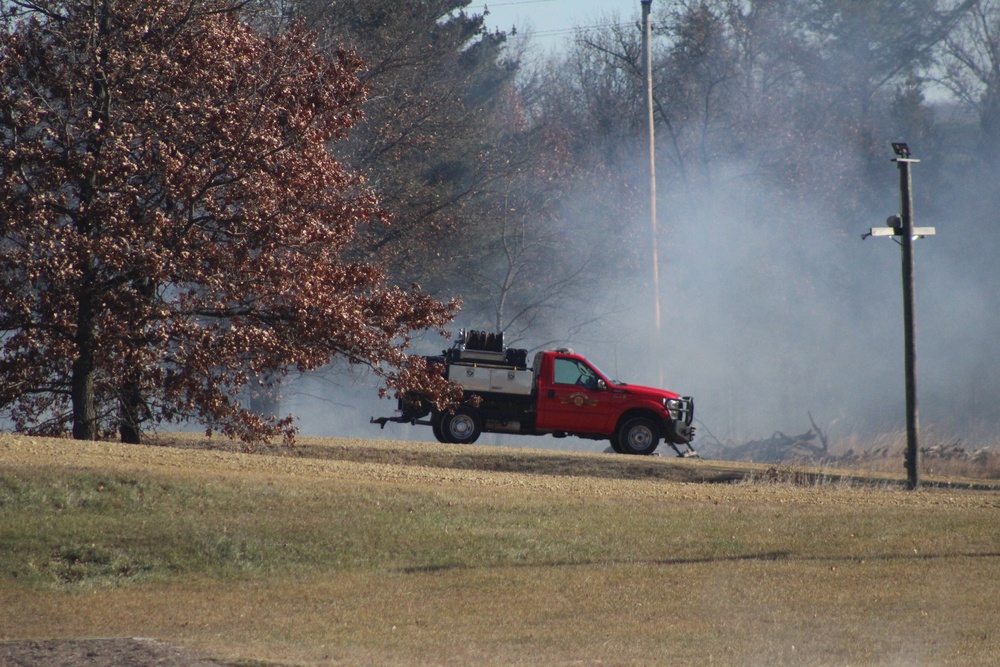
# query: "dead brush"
{"type": "Point", "coordinates": [788, 476]}
{"type": "Point", "coordinates": [941, 456]}
{"type": "Point", "coordinates": [828, 478]}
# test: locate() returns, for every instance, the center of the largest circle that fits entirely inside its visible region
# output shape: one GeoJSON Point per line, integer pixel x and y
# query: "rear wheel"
{"type": "Point", "coordinates": [436, 420]}
{"type": "Point", "coordinates": [461, 427]}
{"type": "Point", "coordinates": [637, 436]}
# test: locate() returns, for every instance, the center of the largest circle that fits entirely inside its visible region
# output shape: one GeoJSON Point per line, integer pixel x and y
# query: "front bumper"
{"type": "Point", "coordinates": [678, 429]}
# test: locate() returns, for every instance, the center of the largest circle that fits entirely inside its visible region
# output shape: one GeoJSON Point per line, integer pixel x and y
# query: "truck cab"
{"type": "Point", "coordinates": [575, 397]}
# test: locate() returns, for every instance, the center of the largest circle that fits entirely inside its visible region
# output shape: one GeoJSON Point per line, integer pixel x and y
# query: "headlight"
{"type": "Point", "coordinates": [673, 406]}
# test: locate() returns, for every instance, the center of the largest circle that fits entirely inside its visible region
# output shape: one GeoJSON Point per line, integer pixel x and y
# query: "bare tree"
{"type": "Point", "coordinates": [971, 59]}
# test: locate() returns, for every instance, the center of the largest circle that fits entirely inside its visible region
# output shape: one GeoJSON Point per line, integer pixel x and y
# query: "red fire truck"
{"type": "Point", "coordinates": [559, 394]}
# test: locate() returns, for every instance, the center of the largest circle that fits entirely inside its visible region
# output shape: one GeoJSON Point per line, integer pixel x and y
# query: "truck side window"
{"type": "Point", "coordinates": [568, 371]}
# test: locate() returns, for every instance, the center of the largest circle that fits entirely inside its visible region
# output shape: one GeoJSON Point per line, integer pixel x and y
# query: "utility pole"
{"type": "Point", "coordinates": [647, 71]}
{"type": "Point", "coordinates": [902, 226]}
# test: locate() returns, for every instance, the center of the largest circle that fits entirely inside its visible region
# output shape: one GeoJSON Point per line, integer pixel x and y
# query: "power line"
{"type": "Point", "coordinates": [517, 2]}
{"type": "Point", "coordinates": [554, 32]}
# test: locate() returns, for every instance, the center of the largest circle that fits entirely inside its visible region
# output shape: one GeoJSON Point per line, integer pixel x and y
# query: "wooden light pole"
{"type": "Point", "coordinates": [902, 226]}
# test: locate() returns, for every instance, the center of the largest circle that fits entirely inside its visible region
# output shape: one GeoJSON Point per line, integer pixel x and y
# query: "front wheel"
{"type": "Point", "coordinates": [461, 427]}
{"type": "Point", "coordinates": [638, 436]}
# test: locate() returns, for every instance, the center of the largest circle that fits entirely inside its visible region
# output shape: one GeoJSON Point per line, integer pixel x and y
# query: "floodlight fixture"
{"type": "Point", "coordinates": [901, 149]}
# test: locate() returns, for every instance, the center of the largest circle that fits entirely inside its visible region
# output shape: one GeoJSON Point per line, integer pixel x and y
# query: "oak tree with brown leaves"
{"type": "Point", "coordinates": [173, 224]}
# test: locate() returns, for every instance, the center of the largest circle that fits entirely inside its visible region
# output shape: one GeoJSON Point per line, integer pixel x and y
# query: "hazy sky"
{"type": "Point", "coordinates": [769, 323]}
{"type": "Point", "coordinates": [554, 20]}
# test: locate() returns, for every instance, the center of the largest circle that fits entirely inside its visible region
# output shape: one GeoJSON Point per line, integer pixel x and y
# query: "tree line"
{"type": "Point", "coordinates": [199, 197]}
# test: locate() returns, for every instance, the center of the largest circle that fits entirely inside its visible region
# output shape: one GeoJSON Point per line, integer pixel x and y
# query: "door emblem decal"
{"type": "Point", "coordinates": [579, 399]}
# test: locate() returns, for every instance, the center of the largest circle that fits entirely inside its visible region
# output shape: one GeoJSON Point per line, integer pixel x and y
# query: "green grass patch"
{"type": "Point", "coordinates": [70, 527]}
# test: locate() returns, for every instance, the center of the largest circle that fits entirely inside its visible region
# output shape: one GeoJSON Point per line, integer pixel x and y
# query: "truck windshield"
{"type": "Point", "coordinates": [617, 383]}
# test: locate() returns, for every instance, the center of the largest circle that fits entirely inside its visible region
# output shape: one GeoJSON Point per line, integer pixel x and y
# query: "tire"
{"type": "Point", "coordinates": [614, 443]}
{"type": "Point", "coordinates": [461, 427]}
{"type": "Point", "coordinates": [638, 436]}
{"type": "Point", "coordinates": [436, 420]}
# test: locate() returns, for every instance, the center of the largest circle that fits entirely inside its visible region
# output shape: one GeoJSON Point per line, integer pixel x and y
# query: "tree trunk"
{"type": "Point", "coordinates": [133, 411]}
{"type": "Point", "coordinates": [84, 370]}
{"type": "Point", "coordinates": [85, 366]}
{"type": "Point", "coordinates": [130, 409]}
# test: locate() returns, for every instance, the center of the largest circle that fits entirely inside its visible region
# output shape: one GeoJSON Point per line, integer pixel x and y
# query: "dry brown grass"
{"type": "Point", "coordinates": [385, 553]}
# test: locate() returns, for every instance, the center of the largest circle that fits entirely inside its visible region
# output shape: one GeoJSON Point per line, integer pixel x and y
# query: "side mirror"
{"type": "Point", "coordinates": [602, 385]}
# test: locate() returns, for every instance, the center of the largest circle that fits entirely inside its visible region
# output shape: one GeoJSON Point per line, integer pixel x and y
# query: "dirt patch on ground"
{"type": "Point", "coordinates": [123, 652]}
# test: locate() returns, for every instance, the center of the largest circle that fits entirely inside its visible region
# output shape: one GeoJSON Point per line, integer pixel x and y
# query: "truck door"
{"type": "Point", "coordinates": [571, 399]}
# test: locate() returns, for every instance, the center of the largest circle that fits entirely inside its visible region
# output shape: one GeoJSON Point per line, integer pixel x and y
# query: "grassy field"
{"type": "Point", "coordinates": [364, 552]}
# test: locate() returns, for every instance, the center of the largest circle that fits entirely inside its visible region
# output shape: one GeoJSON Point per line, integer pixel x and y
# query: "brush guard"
{"type": "Point", "coordinates": [679, 432]}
